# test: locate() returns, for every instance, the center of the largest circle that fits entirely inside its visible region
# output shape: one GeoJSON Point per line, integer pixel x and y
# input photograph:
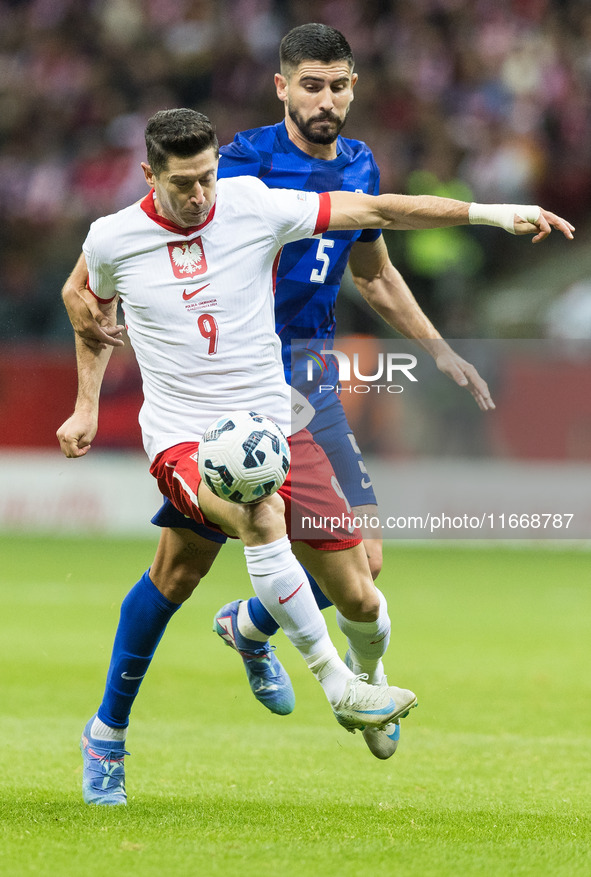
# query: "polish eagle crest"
{"type": "Point", "coordinates": [187, 258]}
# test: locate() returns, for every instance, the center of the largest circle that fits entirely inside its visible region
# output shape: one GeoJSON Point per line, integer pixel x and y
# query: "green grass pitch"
{"type": "Point", "coordinates": [493, 773]}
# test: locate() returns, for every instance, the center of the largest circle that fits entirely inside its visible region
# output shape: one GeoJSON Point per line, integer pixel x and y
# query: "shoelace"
{"type": "Point", "coordinates": [110, 756]}
{"type": "Point", "coordinates": [253, 654]}
{"type": "Point", "coordinates": [374, 698]}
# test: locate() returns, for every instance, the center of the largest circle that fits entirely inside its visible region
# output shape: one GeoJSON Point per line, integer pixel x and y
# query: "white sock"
{"type": "Point", "coordinates": [368, 641]}
{"type": "Point", "coordinates": [246, 627]}
{"type": "Point", "coordinates": [332, 674]}
{"type": "Point", "coordinates": [104, 732]}
{"type": "Point", "coordinates": [283, 588]}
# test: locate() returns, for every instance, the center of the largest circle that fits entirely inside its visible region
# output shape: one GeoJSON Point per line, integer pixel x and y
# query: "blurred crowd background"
{"type": "Point", "coordinates": [469, 98]}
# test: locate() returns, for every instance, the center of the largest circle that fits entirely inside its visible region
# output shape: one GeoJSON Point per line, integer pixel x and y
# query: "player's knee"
{"type": "Point", "coordinates": [360, 604]}
{"type": "Point", "coordinates": [263, 522]}
{"type": "Point", "coordinates": [181, 561]}
{"type": "Point", "coordinates": [177, 583]}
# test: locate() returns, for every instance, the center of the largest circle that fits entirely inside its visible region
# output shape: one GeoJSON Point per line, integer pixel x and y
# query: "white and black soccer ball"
{"type": "Point", "coordinates": [243, 457]}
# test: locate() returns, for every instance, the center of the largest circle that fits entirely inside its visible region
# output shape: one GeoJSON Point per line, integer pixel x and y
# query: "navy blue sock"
{"type": "Point", "coordinates": [145, 612]}
{"type": "Point", "coordinates": [266, 623]}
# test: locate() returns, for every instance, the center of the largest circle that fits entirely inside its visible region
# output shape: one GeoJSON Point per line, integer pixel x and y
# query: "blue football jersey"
{"type": "Point", "coordinates": [310, 271]}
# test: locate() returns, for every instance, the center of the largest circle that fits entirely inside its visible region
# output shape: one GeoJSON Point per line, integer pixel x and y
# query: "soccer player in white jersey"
{"type": "Point", "coordinates": [306, 151]}
{"type": "Point", "coordinates": [189, 339]}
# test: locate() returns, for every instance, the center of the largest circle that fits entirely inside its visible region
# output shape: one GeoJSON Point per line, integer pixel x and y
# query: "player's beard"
{"type": "Point", "coordinates": [314, 134]}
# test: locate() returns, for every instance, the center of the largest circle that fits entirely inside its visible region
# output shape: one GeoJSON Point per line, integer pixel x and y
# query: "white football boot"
{"type": "Point", "coordinates": [381, 742]}
{"type": "Point", "coordinates": [364, 706]}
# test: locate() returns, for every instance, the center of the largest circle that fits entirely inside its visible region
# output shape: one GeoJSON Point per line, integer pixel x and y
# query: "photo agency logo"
{"type": "Point", "coordinates": [345, 373]}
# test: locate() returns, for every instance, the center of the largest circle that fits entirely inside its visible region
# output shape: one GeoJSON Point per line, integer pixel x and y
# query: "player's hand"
{"type": "Point", "coordinates": [76, 434]}
{"type": "Point", "coordinates": [465, 375]}
{"type": "Point", "coordinates": [97, 329]}
{"type": "Point", "coordinates": [543, 226]}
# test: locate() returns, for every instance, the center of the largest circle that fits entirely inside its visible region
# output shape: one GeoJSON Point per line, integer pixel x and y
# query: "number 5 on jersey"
{"type": "Point", "coordinates": [319, 276]}
{"type": "Point", "coordinates": [209, 329]}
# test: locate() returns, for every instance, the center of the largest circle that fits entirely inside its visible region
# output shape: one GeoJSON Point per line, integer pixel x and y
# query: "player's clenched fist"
{"type": "Point", "coordinates": [76, 434]}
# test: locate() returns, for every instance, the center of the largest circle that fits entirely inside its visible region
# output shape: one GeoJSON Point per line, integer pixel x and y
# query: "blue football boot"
{"type": "Point", "coordinates": [268, 681]}
{"type": "Point", "coordinates": [103, 772]}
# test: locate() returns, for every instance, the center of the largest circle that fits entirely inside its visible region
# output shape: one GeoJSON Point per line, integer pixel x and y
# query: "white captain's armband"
{"type": "Point", "coordinates": [502, 215]}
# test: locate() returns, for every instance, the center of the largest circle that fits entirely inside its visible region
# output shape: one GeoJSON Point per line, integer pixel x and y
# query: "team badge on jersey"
{"type": "Point", "coordinates": [187, 258]}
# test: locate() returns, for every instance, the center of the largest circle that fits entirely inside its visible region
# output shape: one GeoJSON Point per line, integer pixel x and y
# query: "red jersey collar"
{"type": "Point", "coordinates": [147, 206]}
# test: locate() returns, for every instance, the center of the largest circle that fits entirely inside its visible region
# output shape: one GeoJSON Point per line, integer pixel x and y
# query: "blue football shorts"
{"type": "Point", "coordinates": [332, 431]}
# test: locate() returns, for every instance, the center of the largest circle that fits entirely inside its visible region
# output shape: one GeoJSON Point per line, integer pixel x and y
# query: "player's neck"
{"type": "Point", "coordinates": [325, 151]}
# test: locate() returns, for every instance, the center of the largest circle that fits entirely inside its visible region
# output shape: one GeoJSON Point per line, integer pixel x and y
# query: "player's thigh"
{"type": "Point", "coordinates": [254, 523]}
{"type": "Point", "coordinates": [177, 473]}
{"type": "Point", "coordinates": [181, 561]}
{"type": "Point", "coordinates": [344, 577]}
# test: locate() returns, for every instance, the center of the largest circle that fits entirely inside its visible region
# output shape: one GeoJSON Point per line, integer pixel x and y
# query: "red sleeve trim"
{"type": "Point", "coordinates": [323, 219]}
{"type": "Point", "coordinates": [103, 301]}
{"type": "Point", "coordinates": [275, 267]}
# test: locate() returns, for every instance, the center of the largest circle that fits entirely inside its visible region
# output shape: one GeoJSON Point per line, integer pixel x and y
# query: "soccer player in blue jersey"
{"type": "Point", "coordinates": [305, 151]}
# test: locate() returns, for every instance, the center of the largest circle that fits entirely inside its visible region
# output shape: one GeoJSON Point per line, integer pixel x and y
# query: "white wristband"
{"type": "Point", "coordinates": [502, 215]}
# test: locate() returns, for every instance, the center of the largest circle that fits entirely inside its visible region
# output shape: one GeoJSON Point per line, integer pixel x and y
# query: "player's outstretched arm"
{"type": "Point", "coordinates": [386, 291]}
{"type": "Point", "coordinates": [78, 431]}
{"type": "Point", "coordinates": [96, 326]}
{"type": "Point", "coordinates": [351, 210]}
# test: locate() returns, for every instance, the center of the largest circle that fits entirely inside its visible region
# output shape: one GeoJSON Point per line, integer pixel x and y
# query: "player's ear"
{"type": "Point", "coordinates": [354, 78]}
{"type": "Point", "coordinates": [148, 174]}
{"type": "Point", "coordinates": [281, 86]}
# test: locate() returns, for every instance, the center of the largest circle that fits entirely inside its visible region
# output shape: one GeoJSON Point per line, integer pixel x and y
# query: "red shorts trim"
{"type": "Point", "coordinates": [177, 474]}
{"type": "Point", "coordinates": [314, 507]}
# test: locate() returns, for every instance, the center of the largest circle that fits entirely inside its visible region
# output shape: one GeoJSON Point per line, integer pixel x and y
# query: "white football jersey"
{"type": "Point", "coordinates": [198, 303]}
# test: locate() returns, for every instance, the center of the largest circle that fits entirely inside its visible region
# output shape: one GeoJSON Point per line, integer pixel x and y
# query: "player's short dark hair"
{"type": "Point", "coordinates": [179, 132]}
{"type": "Point", "coordinates": [313, 42]}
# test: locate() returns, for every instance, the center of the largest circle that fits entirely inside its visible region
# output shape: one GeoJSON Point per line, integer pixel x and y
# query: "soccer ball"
{"type": "Point", "coordinates": [243, 457]}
